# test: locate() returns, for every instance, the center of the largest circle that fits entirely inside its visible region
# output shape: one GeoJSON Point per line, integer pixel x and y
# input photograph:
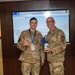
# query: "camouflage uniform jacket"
{"type": "Point", "coordinates": [27, 54]}
{"type": "Point", "coordinates": [57, 43]}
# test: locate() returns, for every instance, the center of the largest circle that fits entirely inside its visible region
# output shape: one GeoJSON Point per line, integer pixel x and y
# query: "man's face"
{"type": "Point", "coordinates": [33, 24]}
{"type": "Point", "coordinates": [50, 23]}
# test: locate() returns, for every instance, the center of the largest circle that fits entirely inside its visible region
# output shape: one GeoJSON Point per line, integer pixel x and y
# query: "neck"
{"type": "Point", "coordinates": [53, 27]}
{"type": "Point", "coordinates": [32, 30]}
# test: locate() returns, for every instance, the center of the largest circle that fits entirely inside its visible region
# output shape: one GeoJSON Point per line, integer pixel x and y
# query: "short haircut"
{"type": "Point", "coordinates": [51, 18]}
{"type": "Point", "coordinates": [33, 18]}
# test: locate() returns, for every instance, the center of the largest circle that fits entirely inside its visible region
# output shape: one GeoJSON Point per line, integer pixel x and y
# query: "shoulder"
{"type": "Point", "coordinates": [38, 32]}
{"type": "Point", "coordinates": [24, 31]}
{"type": "Point", "coordinates": [60, 32]}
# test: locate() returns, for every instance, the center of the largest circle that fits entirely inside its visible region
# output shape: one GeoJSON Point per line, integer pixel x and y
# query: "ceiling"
{"type": "Point", "coordinates": [17, 0]}
{"type": "Point", "coordinates": [11, 0]}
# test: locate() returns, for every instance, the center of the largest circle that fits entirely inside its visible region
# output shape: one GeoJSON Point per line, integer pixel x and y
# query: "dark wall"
{"type": "Point", "coordinates": [11, 65]}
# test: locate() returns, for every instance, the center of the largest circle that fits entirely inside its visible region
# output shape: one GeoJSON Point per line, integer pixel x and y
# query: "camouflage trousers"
{"type": "Point", "coordinates": [33, 68]}
{"type": "Point", "coordinates": [56, 68]}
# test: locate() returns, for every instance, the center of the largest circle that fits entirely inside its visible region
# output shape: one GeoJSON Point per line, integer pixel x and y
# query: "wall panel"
{"type": "Point", "coordinates": [11, 65]}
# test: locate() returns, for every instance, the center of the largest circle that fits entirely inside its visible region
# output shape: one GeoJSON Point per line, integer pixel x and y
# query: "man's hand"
{"type": "Point", "coordinates": [42, 62]}
{"type": "Point", "coordinates": [26, 43]}
{"type": "Point", "coordinates": [48, 50]}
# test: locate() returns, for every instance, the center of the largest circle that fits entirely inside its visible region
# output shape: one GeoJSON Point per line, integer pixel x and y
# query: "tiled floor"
{"type": "Point", "coordinates": [1, 64]}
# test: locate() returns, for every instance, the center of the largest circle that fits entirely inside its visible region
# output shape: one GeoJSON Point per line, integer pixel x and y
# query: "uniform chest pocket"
{"type": "Point", "coordinates": [37, 47]}
{"type": "Point", "coordinates": [37, 40]}
{"type": "Point", "coordinates": [53, 38]}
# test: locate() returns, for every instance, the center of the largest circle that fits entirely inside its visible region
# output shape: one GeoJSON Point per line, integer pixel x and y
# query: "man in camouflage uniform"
{"type": "Point", "coordinates": [56, 50]}
{"type": "Point", "coordinates": [30, 44]}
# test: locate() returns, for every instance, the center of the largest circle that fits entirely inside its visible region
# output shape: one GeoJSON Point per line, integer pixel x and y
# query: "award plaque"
{"type": "Point", "coordinates": [46, 46]}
